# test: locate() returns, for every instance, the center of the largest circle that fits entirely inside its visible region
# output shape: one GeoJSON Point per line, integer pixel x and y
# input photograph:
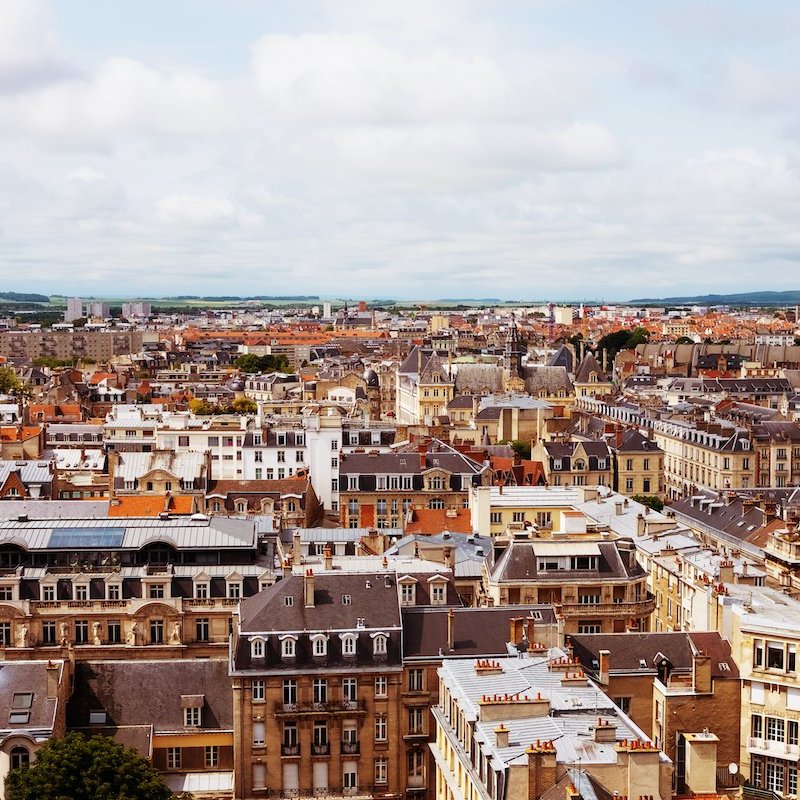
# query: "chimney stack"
{"type": "Point", "coordinates": [450, 624]}
{"type": "Point", "coordinates": [308, 588]}
{"type": "Point", "coordinates": [297, 552]}
{"type": "Point", "coordinates": [516, 630]}
{"type": "Point", "coordinates": [286, 568]}
{"type": "Point", "coordinates": [501, 735]}
{"type": "Point", "coordinates": [529, 632]}
{"type": "Point", "coordinates": [328, 556]}
{"type": "Point", "coordinates": [604, 666]}
{"type": "Point", "coordinates": [541, 768]}
{"type": "Point", "coordinates": [701, 673]}
{"type": "Point", "coordinates": [53, 670]}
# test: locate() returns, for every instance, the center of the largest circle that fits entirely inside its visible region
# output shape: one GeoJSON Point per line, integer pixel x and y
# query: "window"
{"type": "Point", "coordinates": [191, 717]}
{"type": "Point", "coordinates": [201, 591]}
{"type": "Point", "coordinates": [183, 441]}
{"type": "Point", "coordinates": [437, 594]}
{"type": "Point", "coordinates": [416, 680]}
{"type": "Point", "coordinates": [757, 726]}
{"type": "Point", "coordinates": [257, 648]}
{"type": "Point", "coordinates": [775, 729]}
{"type": "Point", "coordinates": [259, 734]}
{"type": "Point", "coordinates": [81, 631]}
{"type": "Point", "coordinates": [6, 593]}
{"type": "Point", "coordinates": [48, 593]}
{"type": "Point", "coordinates": [173, 758]}
{"type": "Point", "coordinates": [335, 462]}
{"type": "Point", "coordinates": [758, 653]}
{"type": "Point", "coordinates": [335, 444]}
{"type": "Point", "coordinates": [381, 686]}
{"type": "Point", "coordinates": [113, 591]}
{"type": "Point", "coordinates": [416, 721]}
{"type": "Point", "coordinates": [349, 690]}
{"type": "Point", "coordinates": [320, 647]}
{"type": "Point", "coordinates": [281, 456]}
{"type": "Point", "coordinates": [320, 690]}
{"type": "Point", "coordinates": [201, 629]}
{"type": "Point", "coordinates": [234, 591]}
{"type": "Point", "coordinates": [20, 757]}
{"type": "Point", "coordinates": [212, 756]}
{"type": "Point", "coordinates": [407, 594]}
{"type": "Point", "coordinates": [518, 516]}
{"type": "Point", "coordinates": [381, 770]}
{"type": "Point", "coordinates": [590, 627]}
{"type": "Point", "coordinates": [623, 703]}
{"type": "Point", "coordinates": [792, 732]}
{"type": "Point", "coordinates": [156, 590]}
{"type": "Point", "coordinates": [49, 632]}
{"type": "Point", "coordinates": [379, 645]}
{"type": "Point", "coordinates": [416, 764]}
{"type": "Point", "coordinates": [775, 655]}
{"type": "Point", "coordinates": [259, 775]}
{"type": "Point", "coordinates": [257, 690]}
{"type": "Point", "coordinates": [156, 631]}
{"type": "Point", "coordinates": [350, 775]}
{"type": "Point", "coordinates": [288, 647]}
{"type": "Point", "coordinates": [348, 644]}
{"type": "Point", "coordinates": [289, 692]}
{"type": "Point", "coordinates": [114, 627]}
{"type": "Point", "coordinates": [81, 592]}
{"type": "Point", "coordinates": [380, 728]}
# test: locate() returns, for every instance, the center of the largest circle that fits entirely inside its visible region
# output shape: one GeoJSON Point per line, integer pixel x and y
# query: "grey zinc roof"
{"type": "Point", "coordinates": [58, 509]}
{"type": "Point", "coordinates": [186, 465]}
{"type": "Point", "coordinates": [182, 533]}
{"type": "Point", "coordinates": [29, 471]}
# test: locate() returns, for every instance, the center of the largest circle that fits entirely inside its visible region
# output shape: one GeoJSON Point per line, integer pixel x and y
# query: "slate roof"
{"type": "Point", "coordinates": [476, 631]}
{"type": "Point", "coordinates": [21, 677]}
{"type": "Point", "coordinates": [149, 693]}
{"type": "Point", "coordinates": [588, 366]}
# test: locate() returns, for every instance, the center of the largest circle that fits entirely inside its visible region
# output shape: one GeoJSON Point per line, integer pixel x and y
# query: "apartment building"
{"type": "Point", "coordinates": [595, 584]}
{"type": "Point", "coordinates": [670, 684]}
{"type": "Point", "coordinates": [379, 489]}
{"type": "Point", "coordinates": [125, 587]}
{"type": "Point", "coordinates": [94, 345]}
{"type": "Point", "coordinates": [531, 727]}
{"type": "Point", "coordinates": [638, 465]}
{"type": "Point", "coordinates": [575, 463]}
{"type": "Point", "coordinates": [423, 388]}
{"type": "Point", "coordinates": [317, 670]}
{"type": "Point", "coordinates": [765, 635]}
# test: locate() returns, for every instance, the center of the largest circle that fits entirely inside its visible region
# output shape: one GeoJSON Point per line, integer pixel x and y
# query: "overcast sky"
{"type": "Point", "coordinates": [518, 149]}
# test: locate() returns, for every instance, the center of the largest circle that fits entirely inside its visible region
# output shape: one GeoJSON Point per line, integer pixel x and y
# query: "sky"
{"type": "Point", "coordinates": [429, 149]}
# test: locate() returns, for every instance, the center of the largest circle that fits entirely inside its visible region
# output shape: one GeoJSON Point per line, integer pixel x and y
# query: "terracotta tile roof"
{"type": "Point", "coordinates": [10, 433]}
{"type": "Point", "coordinates": [436, 520]}
{"type": "Point", "coordinates": [150, 505]}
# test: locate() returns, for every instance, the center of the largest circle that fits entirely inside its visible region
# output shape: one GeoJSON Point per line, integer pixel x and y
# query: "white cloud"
{"type": "Point", "coordinates": [193, 210]}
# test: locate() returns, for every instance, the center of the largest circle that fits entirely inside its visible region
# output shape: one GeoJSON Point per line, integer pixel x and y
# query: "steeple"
{"type": "Point", "coordinates": [513, 349]}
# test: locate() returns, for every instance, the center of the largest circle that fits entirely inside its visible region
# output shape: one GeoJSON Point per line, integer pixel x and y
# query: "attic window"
{"type": "Point", "coordinates": [642, 663]}
{"type": "Point", "coordinates": [288, 600]}
{"type": "Point", "coordinates": [346, 599]}
{"type": "Point", "coordinates": [22, 700]}
{"type": "Point", "coordinates": [19, 717]}
{"type": "Point", "coordinates": [97, 717]}
{"type": "Point", "coordinates": [725, 667]}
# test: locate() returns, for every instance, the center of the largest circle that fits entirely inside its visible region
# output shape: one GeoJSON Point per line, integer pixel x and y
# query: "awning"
{"type": "Point", "coordinates": [197, 782]}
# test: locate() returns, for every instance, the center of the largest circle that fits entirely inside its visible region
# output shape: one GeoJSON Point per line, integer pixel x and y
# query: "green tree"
{"type": "Point", "coordinates": [202, 407]}
{"type": "Point", "coordinates": [77, 768]}
{"type": "Point", "coordinates": [251, 363]}
{"type": "Point", "coordinates": [612, 343]}
{"type": "Point", "coordinates": [9, 380]}
{"type": "Point", "coordinates": [649, 500]}
{"type": "Point", "coordinates": [684, 340]}
{"type": "Point", "coordinates": [244, 405]}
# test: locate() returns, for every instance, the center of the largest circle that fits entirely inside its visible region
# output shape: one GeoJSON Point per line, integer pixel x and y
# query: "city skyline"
{"type": "Point", "coordinates": [445, 150]}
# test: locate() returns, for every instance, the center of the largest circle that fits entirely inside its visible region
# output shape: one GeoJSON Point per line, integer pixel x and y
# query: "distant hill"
{"type": "Point", "coordinates": [21, 297]}
{"type": "Point", "coordinates": [787, 298]}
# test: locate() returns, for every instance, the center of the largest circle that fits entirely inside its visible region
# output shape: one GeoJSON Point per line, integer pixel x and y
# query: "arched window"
{"type": "Point", "coordinates": [257, 648]}
{"type": "Point", "coordinates": [291, 506]}
{"type": "Point", "coordinates": [348, 644]}
{"type": "Point", "coordinates": [320, 644]}
{"type": "Point", "coordinates": [241, 507]}
{"type": "Point", "coordinates": [288, 647]}
{"type": "Point", "coordinates": [379, 645]}
{"type": "Point", "coordinates": [20, 757]}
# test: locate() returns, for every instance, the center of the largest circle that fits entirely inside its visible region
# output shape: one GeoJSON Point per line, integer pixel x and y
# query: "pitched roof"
{"type": "Point", "coordinates": [588, 366]}
{"type": "Point", "coordinates": [436, 520]}
{"type": "Point", "coordinates": [151, 505]}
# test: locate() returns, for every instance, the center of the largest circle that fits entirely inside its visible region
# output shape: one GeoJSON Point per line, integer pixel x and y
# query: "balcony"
{"type": "Point", "coordinates": [311, 709]}
{"type": "Point", "coordinates": [321, 749]}
{"type": "Point", "coordinates": [290, 749]}
{"type": "Point", "coordinates": [362, 790]}
{"type": "Point", "coordinates": [350, 748]}
{"type": "Point", "coordinates": [767, 747]}
{"type": "Point", "coordinates": [615, 610]}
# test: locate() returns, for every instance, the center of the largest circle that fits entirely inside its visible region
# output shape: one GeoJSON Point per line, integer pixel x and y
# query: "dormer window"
{"type": "Point", "coordinates": [319, 644]}
{"type": "Point", "coordinates": [349, 643]}
{"type": "Point", "coordinates": [257, 648]}
{"type": "Point", "coordinates": [379, 643]}
{"type": "Point", "coordinates": [408, 591]}
{"type": "Point", "coordinates": [201, 591]}
{"type": "Point", "coordinates": [288, 646]}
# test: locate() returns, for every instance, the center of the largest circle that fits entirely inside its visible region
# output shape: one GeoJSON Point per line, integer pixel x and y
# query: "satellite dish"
{"type": "Point", "coordinates": [733, 768]}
